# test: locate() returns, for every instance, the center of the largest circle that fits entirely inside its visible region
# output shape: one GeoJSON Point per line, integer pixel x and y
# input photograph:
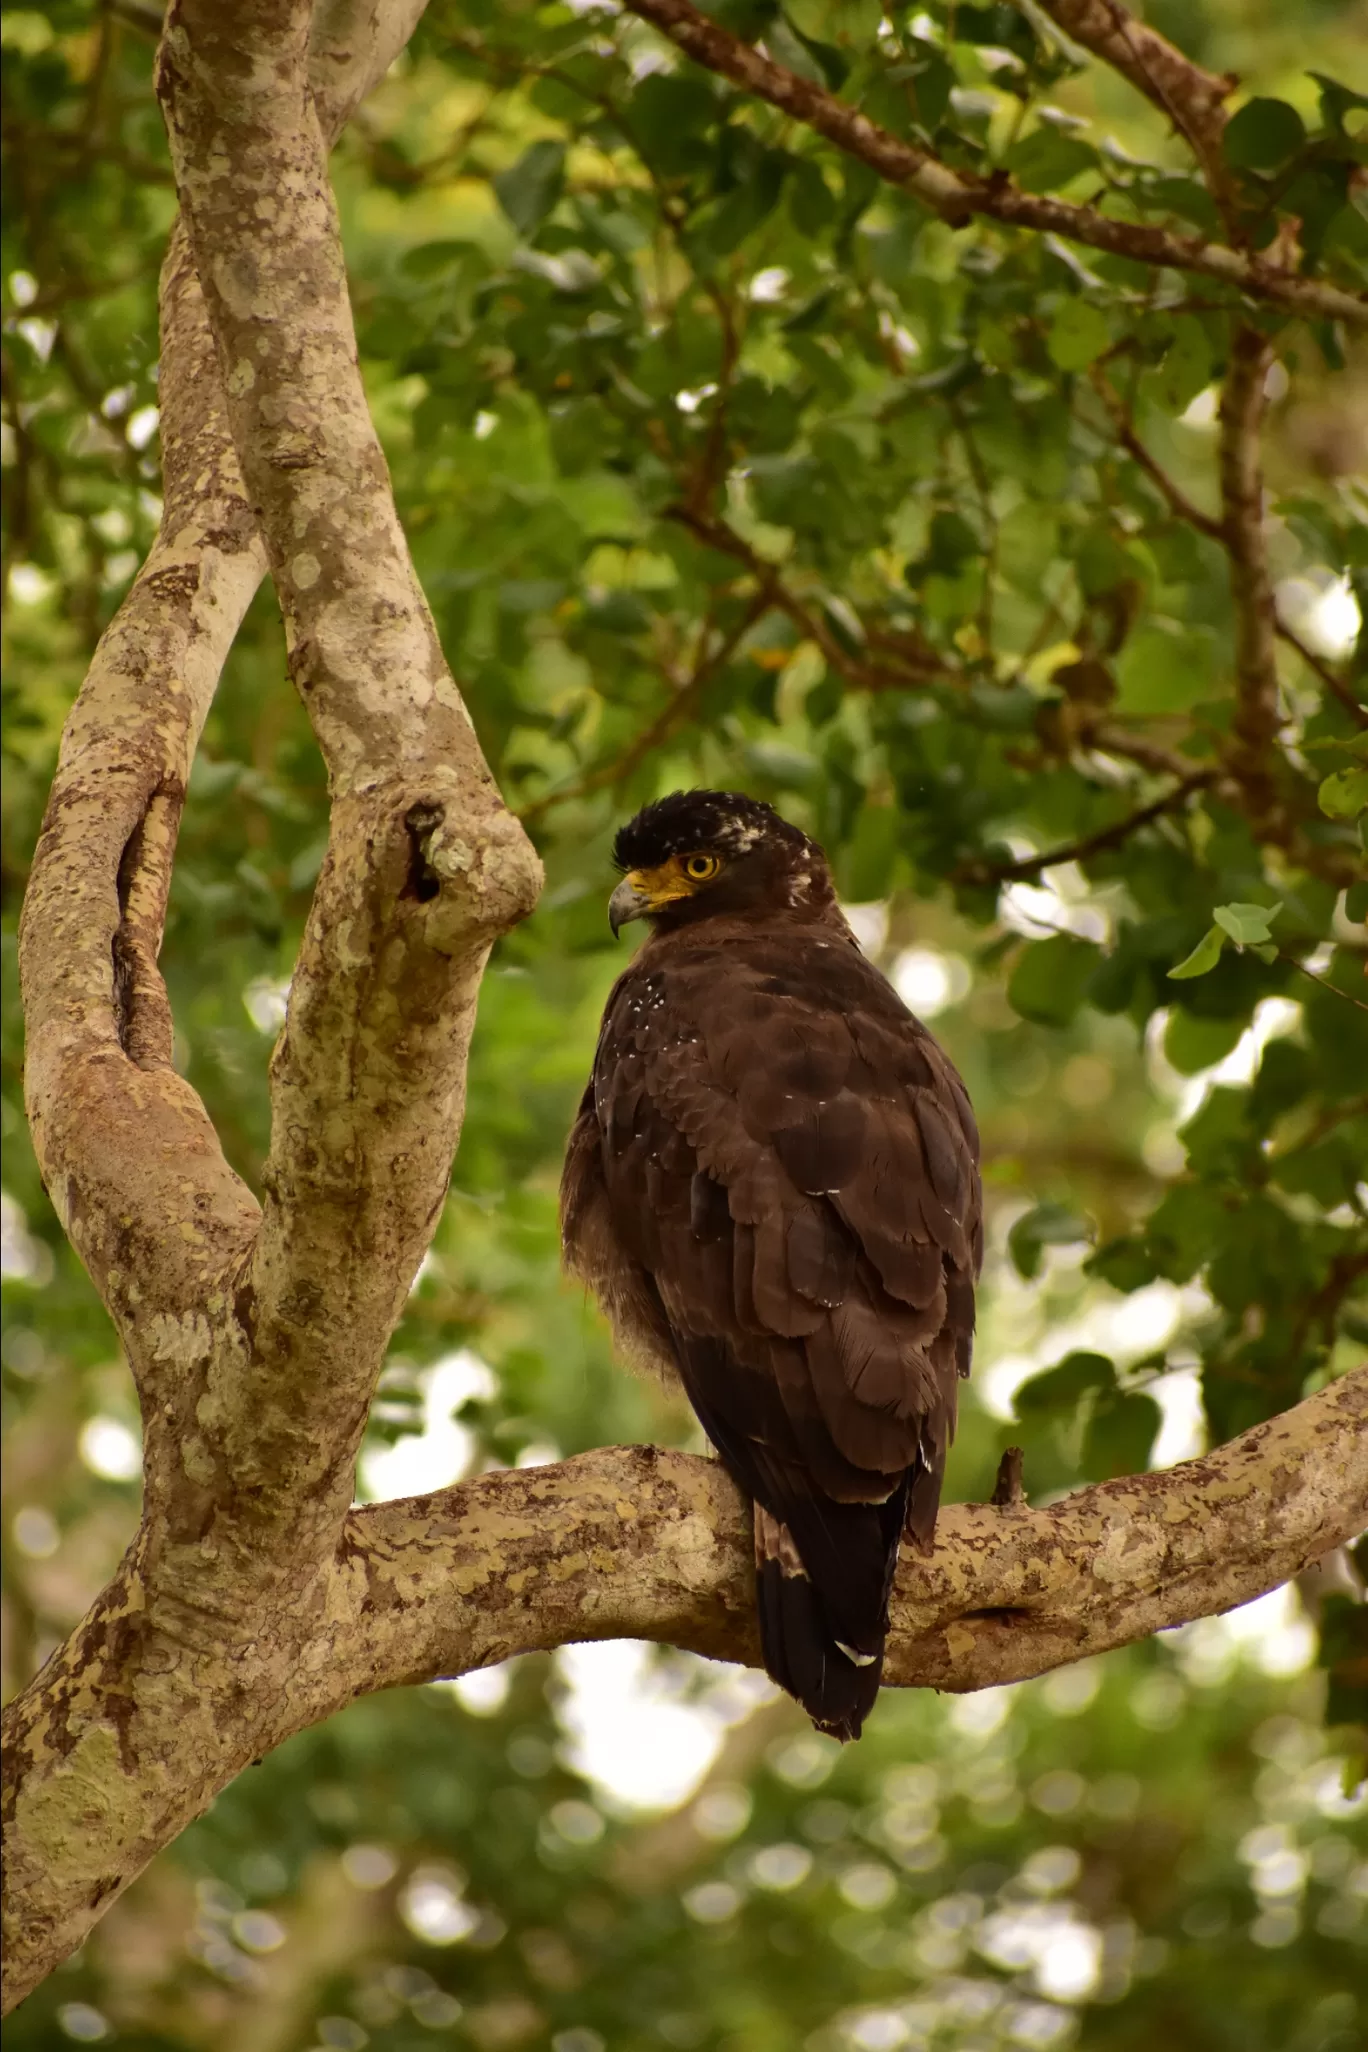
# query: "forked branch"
{"type": "Point", "coordinates": [425, 866]}
{"type": "Point", "coordinates": [255, 1349]}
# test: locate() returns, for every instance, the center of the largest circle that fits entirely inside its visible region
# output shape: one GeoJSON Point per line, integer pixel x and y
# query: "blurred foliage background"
{"type": "Point", "coordinates": [724, 464]}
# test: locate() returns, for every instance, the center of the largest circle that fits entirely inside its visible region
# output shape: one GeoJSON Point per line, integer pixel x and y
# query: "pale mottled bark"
{"type": "Point", "coordinates": [635, 1542]}
{"type": "Point", "coordinates": [254, 1345]}
{"type": "Point", "coordinates": [124, 1145]}
{"type": "Point", "coordinates": [425, 867]}
{"type": "Point", "coordinates": [632, 1542]}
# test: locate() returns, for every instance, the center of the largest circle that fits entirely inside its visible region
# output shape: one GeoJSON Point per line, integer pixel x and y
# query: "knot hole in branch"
{"type": "Point", "coordinates": [142, 1018]}
{"type": "Point", "coordinates": [422, 820]}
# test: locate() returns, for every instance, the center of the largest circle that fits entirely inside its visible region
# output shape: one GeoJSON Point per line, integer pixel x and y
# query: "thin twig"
{"type": "Point", "coordinates": [1028, 869]}
{"type": "Point", "coordinates": [1333, 683]}
{"type": "Point", "coordinates": [1323, 981]}
{"type": "Point", "coordinates": [1176, 499]}
{"type": "Point", "coordinates": [1150, 755]}
{"type": "Point", "coordinates": [686, 698]}
{"type": "Point", "coordinates": [719, 535]}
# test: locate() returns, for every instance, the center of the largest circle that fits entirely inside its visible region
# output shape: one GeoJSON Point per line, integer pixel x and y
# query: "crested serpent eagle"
{"type": "Point", "coordinates": [772, 1188]}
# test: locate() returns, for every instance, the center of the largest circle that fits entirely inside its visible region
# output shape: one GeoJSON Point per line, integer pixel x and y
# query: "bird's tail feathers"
{"type": "Point", "coordinates": [833, 1670]}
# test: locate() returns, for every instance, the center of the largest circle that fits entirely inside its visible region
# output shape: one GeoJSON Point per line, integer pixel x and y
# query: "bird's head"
{"type": "Point", "coordinates": [704, 854]}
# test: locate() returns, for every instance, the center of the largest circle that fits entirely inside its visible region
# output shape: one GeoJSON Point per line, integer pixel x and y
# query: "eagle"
{"type": "Point", "coordinates": [772, 1188]}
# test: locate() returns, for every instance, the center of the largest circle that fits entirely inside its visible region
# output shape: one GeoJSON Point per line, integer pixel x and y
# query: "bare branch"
{"type": "Point", "coordinates": [627, 1542]}
{"type": "Point", "coordinates": [958, 196]}
{"type": "Point", "coordinates": [425, 866]}
{"type": "Point", "coordinates": [1257, 715]}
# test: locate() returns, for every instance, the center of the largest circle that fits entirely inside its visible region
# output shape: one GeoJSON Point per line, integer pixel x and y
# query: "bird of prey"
{"type": "Point", "coordinates": [772, 1188]}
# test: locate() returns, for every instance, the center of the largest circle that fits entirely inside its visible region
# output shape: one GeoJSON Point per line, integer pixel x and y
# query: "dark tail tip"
{"type": "Point", "coordinates": [837, 1692]}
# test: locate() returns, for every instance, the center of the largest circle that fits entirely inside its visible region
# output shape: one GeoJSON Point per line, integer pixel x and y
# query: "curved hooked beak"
{"type": "Point", "coordinates": [628, 902]}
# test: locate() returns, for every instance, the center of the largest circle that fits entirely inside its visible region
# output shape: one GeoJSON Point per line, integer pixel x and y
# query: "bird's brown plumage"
{"type": "Point", "coordinates": [772, 1187]}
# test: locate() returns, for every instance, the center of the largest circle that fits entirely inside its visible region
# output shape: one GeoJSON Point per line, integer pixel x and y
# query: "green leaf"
{"type": "Point", "coordinates": [1204, 956]}
{"type": "Point", "coordinates": [670, 117]}
{"type": "Point", "coordinates": [1126, 1264]}
{"type": "Point", "coordinates": [1344, 795]}
{"type": "Point", "coordinates": [1188, 1224]}
{"type": "Point", "coordinates": [813, 207]}
{"type": "Point", "coordinates": [953, 543]}
{"type": "Point", "coordinates": [849, 23]}
{"type": "Point", "coordinates": [531, 188]}
{"type": "Point", "coordinates": [932, 86]}
{"type": "Point", "coordinates": [1264, 134]}
{"type": "Point", "coordinates": [1046, 1225]}
{"type": "Point", "coordinates": [1220, 1136]}
{"type": "Point", "coordinates": [1187, 367]}
{"type": "Point", "coordinates": [1049, 979]}
{"type": "Point", "coordinates": [1047, 159]}
{"type": "Point", "coordinates": [1247, 925]}
{"type": "Point", "coordinates": [1356, 902]}
{"type": "Point", "coordinates": [1120, 1436]}
{"type": "Point", "coordinates": [1078, 335]}
{"type": "Point", "coordinates": [1336, 100]}
{"type": "Point", "coordinates": [1192, 1044]}
{"type": "Point", "coordinates": [430, 259]}
{"type": "Point", "coordinates": [1165, 668]}
{"type": "Point", "coordinates": [1060, 1388]}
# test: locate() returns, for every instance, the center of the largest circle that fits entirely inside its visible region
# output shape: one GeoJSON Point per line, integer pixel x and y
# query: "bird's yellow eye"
{"type": "Point", "coordinates": [699, 868]}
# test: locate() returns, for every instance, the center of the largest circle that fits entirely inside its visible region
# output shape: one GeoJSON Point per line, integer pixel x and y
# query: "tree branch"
{"type": "Point", "coordinates": [1231, 535]}
{"type": "Point", "coordinates": [125, 1147]}
{"type": "Point", "coordinates": [1257, 716]}
{"type": "Point", "coordinates": [632, 1542]}
{"type": "Point", "coordinates": [126, 1150]}
{"type": "Point", "coordinates": [958, 196]}
{"type": "Point", "coordinates": [251, 1603]}
{"type": "Point", "coordinates": [425, 867]}
{"type": "Point", "coordinates": [1193, 99]}
{"type": "Point", "coordinates": [1174, 497]}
